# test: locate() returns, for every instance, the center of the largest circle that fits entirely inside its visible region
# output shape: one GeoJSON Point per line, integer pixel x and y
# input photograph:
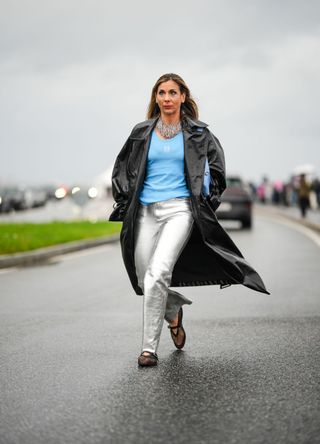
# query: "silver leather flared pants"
{"type": "Point", "coordinates": [161, 232]}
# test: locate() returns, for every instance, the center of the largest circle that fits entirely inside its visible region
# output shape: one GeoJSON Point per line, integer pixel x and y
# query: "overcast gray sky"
{"type": "Point", "coordinates": [76, 75]}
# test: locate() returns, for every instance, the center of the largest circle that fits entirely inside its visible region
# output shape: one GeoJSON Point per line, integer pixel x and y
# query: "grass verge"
{"type": "Point", "coordinates": [15, 238]}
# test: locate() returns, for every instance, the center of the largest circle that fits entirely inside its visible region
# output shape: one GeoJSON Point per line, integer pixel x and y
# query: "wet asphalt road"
{"type": "Point", "coordinates": [70, 337]}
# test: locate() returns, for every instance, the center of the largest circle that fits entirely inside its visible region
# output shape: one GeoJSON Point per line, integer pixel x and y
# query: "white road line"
{"type": "Point", "coordinates": [295, 226]}
{"type": "Point", "coordinates": [82, 253]}
{"type": "Point", "coordinates": [7, 270]}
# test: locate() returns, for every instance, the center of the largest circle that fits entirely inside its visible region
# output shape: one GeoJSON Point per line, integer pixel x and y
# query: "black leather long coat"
{"type": "Point", "coordinates": [210, 257]}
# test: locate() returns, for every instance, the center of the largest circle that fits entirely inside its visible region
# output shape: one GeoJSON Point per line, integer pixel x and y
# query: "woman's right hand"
{"type": "Point", "coordinates": [119, 212]}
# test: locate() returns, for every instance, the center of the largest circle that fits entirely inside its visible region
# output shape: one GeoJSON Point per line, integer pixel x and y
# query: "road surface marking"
{"type": "Point", "coordinates": [7, 270]}
{"type": "Point", "coordinates": [82, 253]}
{"type": "Point", "coordinates": [296, 226]}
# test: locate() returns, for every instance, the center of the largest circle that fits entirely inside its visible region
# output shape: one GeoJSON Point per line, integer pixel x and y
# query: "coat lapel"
{"type": "Point", "coordinates": [195, 150]}
{"type": "Point", "coordinates": [143, 139]}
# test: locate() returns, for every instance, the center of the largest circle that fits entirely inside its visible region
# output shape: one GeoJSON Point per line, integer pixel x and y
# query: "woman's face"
{"type": "Point", "coordinates": [169, 98]}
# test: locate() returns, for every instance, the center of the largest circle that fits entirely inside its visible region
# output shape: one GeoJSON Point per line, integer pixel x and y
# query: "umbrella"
{"type": "Point", "coordinates": [306, 169]}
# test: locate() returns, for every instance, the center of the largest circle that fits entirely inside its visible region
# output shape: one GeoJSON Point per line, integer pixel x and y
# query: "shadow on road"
{"type": "Point", "coordinates": [253, 394]}
{"type": "Point", "coordinates": [180, 399]}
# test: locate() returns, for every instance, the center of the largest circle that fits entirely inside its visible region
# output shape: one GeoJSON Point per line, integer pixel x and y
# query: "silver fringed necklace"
{"type": "Point", "coordinates": [168, 130]}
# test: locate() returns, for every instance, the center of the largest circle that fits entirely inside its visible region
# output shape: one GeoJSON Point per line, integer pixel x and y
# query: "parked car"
{"type": "Point", "coordinates": [6, 201]}
{"type": "Point", "coordinates": [11, 199]}
{"type": "Point", "coordinates": [38, 196]}
{"type": "Point", "coordinates": [236, 202]}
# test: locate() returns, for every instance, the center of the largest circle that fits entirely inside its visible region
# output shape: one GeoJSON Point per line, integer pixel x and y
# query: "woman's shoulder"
{"type": "Point", "coordinates": [204, 128]}
{"type": "Point", "coordinates": [198, 126]}
{"type": "Point", "coordinates": [194, 123]}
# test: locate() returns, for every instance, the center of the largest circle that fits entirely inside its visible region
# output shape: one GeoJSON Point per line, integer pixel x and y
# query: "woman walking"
{"type": "Point", "coordinates": [170, 235]}
{"type": "Point", "coordinates": [303, 195]}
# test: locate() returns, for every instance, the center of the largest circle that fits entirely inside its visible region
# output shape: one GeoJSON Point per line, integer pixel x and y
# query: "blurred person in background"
{"type": "Point", "coordinates": [261, 193]}
{"type": "Point", "coordinates": [303, 195]}
{"type": "Point", "coordinates": [170, 234]}
{"type": "Point", "coordinates": [316, 189]}
{"type": "Point", "coordinates": [253, 191]}
{"type": "Point", "coordinates": [285, 194]}
{"type": "Point", "coordinates": [276, 192]}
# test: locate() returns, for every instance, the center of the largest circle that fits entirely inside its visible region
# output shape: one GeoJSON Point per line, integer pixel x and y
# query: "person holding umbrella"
{"type": "Point", "coordinates": [303, 195]}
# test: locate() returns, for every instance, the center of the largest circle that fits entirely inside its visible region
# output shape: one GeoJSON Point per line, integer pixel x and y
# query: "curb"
{"type": "Point", "coordinates": [277, 212]}
{"type": "Point", "coordinates": [43, 254]}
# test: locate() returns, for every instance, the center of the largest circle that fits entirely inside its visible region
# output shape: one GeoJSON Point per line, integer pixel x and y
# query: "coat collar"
{"type": "Point", "coordinates": [192, 127]}
{"type": "Point", "coordinates": [189, 126]}
{"type": "Point", "coordinates": [195, 147]}
{"type": "Point", "coordinates": [194, 124]}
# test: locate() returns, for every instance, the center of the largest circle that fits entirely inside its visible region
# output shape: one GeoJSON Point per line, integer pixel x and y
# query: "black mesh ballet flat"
{"type": "Point", "coordinates": [177, 335]}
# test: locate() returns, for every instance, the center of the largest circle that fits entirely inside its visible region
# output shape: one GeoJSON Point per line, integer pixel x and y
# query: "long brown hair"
{"type": "Point", "coordinates": [188, 108]}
